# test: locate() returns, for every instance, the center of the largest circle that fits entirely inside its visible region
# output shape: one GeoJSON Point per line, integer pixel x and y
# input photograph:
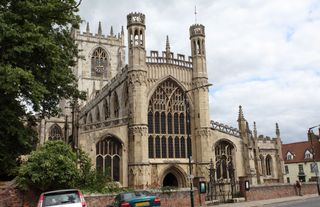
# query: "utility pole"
{"type": "Point", "coordinates": [188, 135]}
{"type": "Point", "coordinates": [315, 165]}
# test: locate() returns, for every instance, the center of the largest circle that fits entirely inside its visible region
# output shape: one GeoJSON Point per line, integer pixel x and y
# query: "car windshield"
{"type": "Point", "coordinates": [55, 199]}
{"type": "Point", "coordinates": [130, 195]}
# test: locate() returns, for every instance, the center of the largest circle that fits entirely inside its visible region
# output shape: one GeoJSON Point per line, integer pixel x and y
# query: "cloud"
{"type": "Point", "coordinates": [263, 55]}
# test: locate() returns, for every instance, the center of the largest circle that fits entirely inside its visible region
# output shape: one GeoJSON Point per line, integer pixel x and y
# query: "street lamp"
{"type": "Point", "coordinates": [188, 135]}
{"type": "Point", "coordinates": [315, 165]}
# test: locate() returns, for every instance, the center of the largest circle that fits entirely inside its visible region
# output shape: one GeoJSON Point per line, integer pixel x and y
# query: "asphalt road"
{"type": "Point", "coordinates": [309, 202]}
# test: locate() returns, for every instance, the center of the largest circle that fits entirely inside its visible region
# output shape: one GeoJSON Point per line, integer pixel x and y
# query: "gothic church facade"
{"type": "Point", "coordinates": [143, 120]}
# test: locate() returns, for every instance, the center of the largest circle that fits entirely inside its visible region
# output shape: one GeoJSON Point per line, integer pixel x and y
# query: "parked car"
{"type": "Point", "coordinates": [62, 198]}
{"type": "Point", "coordinates": [136, 199]}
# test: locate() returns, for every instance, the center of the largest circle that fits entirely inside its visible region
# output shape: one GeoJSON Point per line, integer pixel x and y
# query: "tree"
{"type": "Point", "coordinates": [51, 167]}
{"type": "Point", "coordinates": [36, 54]}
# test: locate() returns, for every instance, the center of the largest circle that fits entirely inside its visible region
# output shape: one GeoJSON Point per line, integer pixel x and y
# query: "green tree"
{"type": "Point", "coordinates": [53, 166]}
{"type": "Point", "coordinates": [36, 53]}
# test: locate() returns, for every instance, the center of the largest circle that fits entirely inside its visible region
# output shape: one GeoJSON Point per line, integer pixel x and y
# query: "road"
{"type": "Point", "coordinates": [309, 202]}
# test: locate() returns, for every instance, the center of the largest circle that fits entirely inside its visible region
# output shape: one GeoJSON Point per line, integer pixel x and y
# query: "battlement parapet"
{"type": "Point", "coordinates": [168, 58]}
{"type": "Point", "coordinates": [84, 35]}
{"type": "Point", "coordinates": [266, 139]}
{"type": "Point", "coordinates": [136, 18]}
{"type": "Point", "coordinates": [225, 128]}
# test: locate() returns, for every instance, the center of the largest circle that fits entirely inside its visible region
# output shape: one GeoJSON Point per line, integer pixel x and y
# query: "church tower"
{"type": "Point", "coordinates": [201, 122]}
{"type": "Point", "coordinates": [137, 77]}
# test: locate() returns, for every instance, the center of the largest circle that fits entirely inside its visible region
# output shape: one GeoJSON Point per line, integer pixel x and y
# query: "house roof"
{"type": "Point", "coordinates": [298, 149]}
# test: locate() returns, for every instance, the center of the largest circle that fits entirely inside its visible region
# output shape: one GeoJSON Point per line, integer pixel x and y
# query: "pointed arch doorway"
{"type": "Point", "coordinates": [173, 177]}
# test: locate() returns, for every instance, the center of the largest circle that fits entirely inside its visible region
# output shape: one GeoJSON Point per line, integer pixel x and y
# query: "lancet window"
{"type": "Point", "coordinates": [108, 157]}
{"type": "Point", "coordinates": [269, 165]}
{"type": "Point", "coordinates": [169, 119]}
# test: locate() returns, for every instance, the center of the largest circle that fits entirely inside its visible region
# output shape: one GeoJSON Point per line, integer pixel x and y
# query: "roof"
{"type": "Point", "coordinates": [298, 150]}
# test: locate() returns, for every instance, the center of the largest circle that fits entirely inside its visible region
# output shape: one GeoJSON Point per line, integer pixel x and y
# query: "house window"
{"type": "Point", "coordinates": [307, 155]}
{"type": "Point", "coordinates": [300, 168]}
{"type": "Point", "coordinates": [286, 168]}
{"type": "Point", "coordinates": [313, 167]}
{"type": "Point", "coordinates": [289, 156]}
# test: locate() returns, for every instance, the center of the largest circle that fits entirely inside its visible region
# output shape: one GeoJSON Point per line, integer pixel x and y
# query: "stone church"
{"type": "Point", "coordinates": [143, 120]}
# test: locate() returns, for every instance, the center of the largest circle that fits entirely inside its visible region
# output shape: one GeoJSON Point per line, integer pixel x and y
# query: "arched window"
{"type": "Point", "coordinates": [97, 114]}
{"type": "Point", "coordinates": [164, 147]}
{"type": "Point", "coordinates": [167, 113]}
{"type": "Point", "coordinates": [116, 105]}
{"type": "Point", "coordinates": [224, 160]}
{"type": "Point", "coordinates": [151, 147]}
{"type": "Point", "coordinates": [158, 147]}
{"type": "Point", "coordinates": [99, 62]}
{"type": "Point", "coordinates": [108, 157]}
{"type": "Point", "coordinates": [55, 132]}
{"type": "Point", "coordinates": [106, 110]}
{"type": "Point", "coordinates": [263, 166]}
{"type": "Point", "coordinates": [170, 147]}
{"type": "Point", "coordinates": [150, 122]}
{"type": "Point", "coordinates": [269, 165]}
{"type": "Point", "coordinates": [177, 147]}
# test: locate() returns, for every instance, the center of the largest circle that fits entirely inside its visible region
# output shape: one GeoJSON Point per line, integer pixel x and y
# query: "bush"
{"type": "Point", "coordinates": [51, 167]}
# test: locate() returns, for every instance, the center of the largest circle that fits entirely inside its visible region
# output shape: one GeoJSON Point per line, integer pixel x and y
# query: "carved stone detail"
{"type": "Point", "coordinates": [138, 130]}
{"type": "Point", "coordinates": [137, 78]}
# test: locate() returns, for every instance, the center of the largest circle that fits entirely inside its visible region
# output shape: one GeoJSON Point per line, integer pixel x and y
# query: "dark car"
{"type": "Point", "coordinates": [136, 199]}
{"type": "Point", "coordinates": [62, 198]}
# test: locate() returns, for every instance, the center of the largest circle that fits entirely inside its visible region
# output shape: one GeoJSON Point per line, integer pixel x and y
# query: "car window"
{"type": "Point", "coordinates": [55, 199]}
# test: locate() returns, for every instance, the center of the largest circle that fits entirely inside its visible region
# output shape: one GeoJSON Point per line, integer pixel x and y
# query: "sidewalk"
{"type": "Point", "coordinates": [269, 201]}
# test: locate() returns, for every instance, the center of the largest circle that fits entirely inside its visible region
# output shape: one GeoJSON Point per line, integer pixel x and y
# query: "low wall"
{"type": "Point", "coordinates": [168, 199]}
{"type": "Point", "coordinates": [11, 196]}
{"type": "Point", "coordinates": [278, 191]}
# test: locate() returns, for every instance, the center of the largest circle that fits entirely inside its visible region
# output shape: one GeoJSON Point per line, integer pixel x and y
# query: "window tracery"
{"type": "Point", "coordinates": [99, 62]}
{"type": "Point", "coordinates": [108, 157]}
{"type": "Point", "coordinates": [55, 132]}
{"type": "Point", "coordinates": [167, 119]}
{"type": "Point", "coordinates": [224, 160]}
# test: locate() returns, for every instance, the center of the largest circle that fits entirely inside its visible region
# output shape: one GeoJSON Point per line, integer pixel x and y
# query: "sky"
{"type": "Point", "coordinates": [262, 55]}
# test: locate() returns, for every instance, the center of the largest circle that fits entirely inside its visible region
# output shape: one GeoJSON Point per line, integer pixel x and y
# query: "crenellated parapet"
{"type": "Point", "coordinates": [225, 128]}
{"type": "Point", "coordinates": [169, 58]}
{"type": "Point", "coordinates": [111, 38]}
{"type": "Point", "coordinates": [136, 18]}
{"type": "Point", "coordinates": [266, 139]}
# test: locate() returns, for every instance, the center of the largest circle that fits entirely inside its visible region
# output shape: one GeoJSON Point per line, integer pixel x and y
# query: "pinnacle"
{"type": "Point", "coordinates": [111, 31]}
{"type": "Point", "coordinates": [99, 29]}
{"type": "Point", "coordinates": [167, 44]}
{"type": "Point", "coordinates": [88, 28]}
{"type": "Point", "coordinates": [241, 116]}
{"type": "Point", "coordinates": [277, 130]}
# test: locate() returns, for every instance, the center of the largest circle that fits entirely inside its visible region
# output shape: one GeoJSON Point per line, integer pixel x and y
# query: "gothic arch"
{"type": "Point", "coordinates": [100, 62]}
{"type": "Point", "coordinates": [169, 118]}
{"type": "Point", "coordinates": [109, 155]}
{"type": "Point", "coordinates": [169, 77]}
{"type": "Point", "coordinates": [55, 132]}
{"type": "Point", "coordinates": [177, 176]}
{"type": "Point", "coordinates": [225, 165]}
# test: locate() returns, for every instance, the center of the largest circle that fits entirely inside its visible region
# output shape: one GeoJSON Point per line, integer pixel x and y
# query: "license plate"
{"type": "Point", "coordinates": [143, 204]}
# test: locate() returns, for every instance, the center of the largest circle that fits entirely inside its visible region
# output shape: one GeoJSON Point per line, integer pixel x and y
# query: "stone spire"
{"type": "Point", "coordinates": [122, 31]}
{"type": "Point", "coordinates": [255, 134]}
{"type": "Point", "coordinates": [277, 130]}
{"type": "Point", "coordinates": [167, 48]}
{"type": "Point", "coordinates": [99, 29]}
{"type": "Point", "coordinates": [88, 28]}
{"type": "Point", "coordinates": [241, 116]}
{"type": "Point", "coordinates": [111, 31]}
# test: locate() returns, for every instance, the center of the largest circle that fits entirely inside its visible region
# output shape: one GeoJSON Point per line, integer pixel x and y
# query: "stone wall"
{"type": "Point", "coordinates": [278, 191]}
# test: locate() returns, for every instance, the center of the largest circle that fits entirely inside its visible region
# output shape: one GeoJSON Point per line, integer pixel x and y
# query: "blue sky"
{"type": "Point", "coordinates": [263, 55]}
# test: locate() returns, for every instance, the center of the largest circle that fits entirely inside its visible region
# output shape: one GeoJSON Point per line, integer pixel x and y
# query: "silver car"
{"type": "Point", "coordinates": [62, 198]}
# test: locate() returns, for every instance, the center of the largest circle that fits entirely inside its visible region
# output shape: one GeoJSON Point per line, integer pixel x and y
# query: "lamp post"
{"type": "Point", "coordinates": [315, 165]}
{"type": "Point", "coordinates": [188, 135]}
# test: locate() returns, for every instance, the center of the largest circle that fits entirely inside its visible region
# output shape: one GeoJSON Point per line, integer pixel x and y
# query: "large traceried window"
{"type": "Point", "coordinates": [55, 132]}
{"type": "Point", "coordinates": [224, 152]}
{"type": "Point", "coordinates": [169, 118]}
{"type": "Point", "coordinates": [108, 157]}
{"type": "Point", "coordinates": [99, 62]}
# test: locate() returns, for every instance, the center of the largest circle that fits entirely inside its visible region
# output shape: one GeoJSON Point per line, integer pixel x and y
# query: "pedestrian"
{"type": "Point", "coordinates": [298, 187]}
